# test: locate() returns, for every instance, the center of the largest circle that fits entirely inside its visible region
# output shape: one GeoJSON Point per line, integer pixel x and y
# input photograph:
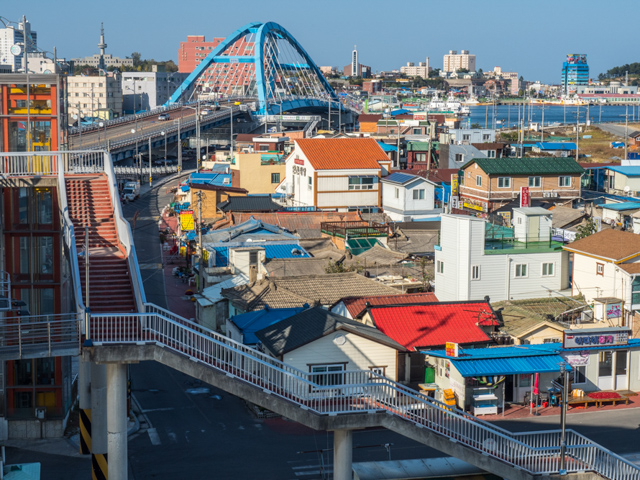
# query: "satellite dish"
{"type": "Point", "coordinates": [74, 116]}
{"type": "Point", "coordinates": [627, 189]}
{"type": "Point", "coordinates": [47, 71]}
{"type": "Point", "coordinates": [15, 50]}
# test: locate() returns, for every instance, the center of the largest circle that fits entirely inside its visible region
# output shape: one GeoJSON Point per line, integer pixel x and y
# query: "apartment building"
{"type": "Point", "coordinates": [420, 70]}
{"type": "Point", "coordinates": [454, 61]}
{"type": "Point", "coordinates": [150, 90]}
{"type": "Point", "coordinates": [95, 97]}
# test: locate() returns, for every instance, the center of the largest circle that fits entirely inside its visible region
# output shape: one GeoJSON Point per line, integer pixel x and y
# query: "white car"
{"type": "Point", "coordinates": [163, 117]}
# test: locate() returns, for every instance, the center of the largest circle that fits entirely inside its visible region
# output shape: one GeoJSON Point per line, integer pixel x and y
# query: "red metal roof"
{"type": "Point", "coordinates": [357, 305]}
{"type": "Point", "coordinates": [434, 324]}
{"type": "Point", "coordinates": [342, 153]}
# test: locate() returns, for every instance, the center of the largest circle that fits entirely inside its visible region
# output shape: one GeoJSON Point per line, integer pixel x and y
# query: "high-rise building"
{"type": "Point", "coordinates": [12, 44]}
{"type": "Point", "coordinates": [575, 71]}
{"type": "Point", "coordinates": [454, 61]}
{"type": "Point", "coordinates": [227, 78]}
{"type": "Point", "coordinates": [413, 70]}
{"type": "Point", "coordinates": [355, 63]}
{"type": "Point", "coordinates": [95, 97]}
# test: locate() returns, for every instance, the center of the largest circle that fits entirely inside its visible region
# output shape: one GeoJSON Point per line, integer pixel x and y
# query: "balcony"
{"type": "Point", "coordinates": [354, 229]}
{"type": "Point", "coordinates": [499, 240]}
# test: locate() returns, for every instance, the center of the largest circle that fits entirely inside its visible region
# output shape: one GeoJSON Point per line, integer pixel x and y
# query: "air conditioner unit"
{"type": "Point", "coordinates": [5, 304]}
{"type": "Point", "coordinates": [545, 194]}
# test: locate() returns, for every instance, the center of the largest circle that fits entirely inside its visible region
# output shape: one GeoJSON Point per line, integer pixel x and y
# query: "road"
{"type": "Point", "coordinates": [617, 130]}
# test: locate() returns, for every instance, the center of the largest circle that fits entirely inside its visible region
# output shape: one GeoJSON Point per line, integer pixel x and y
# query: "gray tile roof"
{"type": "Point", "coordinates": [312, 324]}
{"type": "Point", "coordinates": [286, 267]}
{"type": "Point", "coordinates": [297, 290]}
{"type": "Point", "coordinates": [249, 204]}
{"type": "Point", "coordinates": [377, 255]}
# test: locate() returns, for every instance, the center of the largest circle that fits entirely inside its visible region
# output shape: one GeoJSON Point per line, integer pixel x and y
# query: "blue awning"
{"type": "Point", "coordinates": [508, 366]}
{"type": "Point", "coordinates": [387, 148]}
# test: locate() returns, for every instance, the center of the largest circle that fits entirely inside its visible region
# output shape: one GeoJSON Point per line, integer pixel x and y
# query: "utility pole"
{"type": "Point", "coordinates": [150, 176]}
{"type": "Point", "coordinates": [179, 148]}
{"type": "Point", "coordinates": [578, 134]}
{"type": "Point", "coordinates": [542, 130]}
{"type": "Point", "coordinates": [200, 261]}
{"type": "Point", "coordinates": [626, 132]}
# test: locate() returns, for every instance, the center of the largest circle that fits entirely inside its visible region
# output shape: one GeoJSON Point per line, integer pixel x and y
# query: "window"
{"type": "Point", "coordinates": [253, 258]}
{"type": "Point", "coordinates": [491, 153]}
{"type": "Point", "coordinates": [579, 374]}
{"type": "Point", "coordinates": [475, 272]}
{"type": "Point", "coordinates": [417, 131]}
{"type": "Point", "coordinates": [521, 270]}
{"type": "Point", "coordinates": [264, 148]}
{"type": "Point", "coordinates": [466, 137]}
{"type": "Point", "coordinates": [440, 266]}
{"type": "Point", "coordinates": [547, 269]}
{"type": "Point", "coordinates": [275, 178]}
{"type": "Point", "coordinates": [534, 181]}
{"type": "Point", "coordinates": [478, 181]}
{"type": "Point", "coordinates": [459, 157]}
{"type": "Point", "coordinates": [524, 380]}
{"type": "Point", "coordinates": [421, 157]}
{"type": "Point", "coordinates": [327, 374]}
{"type": "Point", "coordinates": [486, 137]}
{"type": "Point", "coordinates": [564, 181]}
{"type": "Point", "coordinates": [600, 269]}
{"type": "Point", "coordinates": [397, 192]}
{"type": "Point", "coordinates": [635, 290]}
{"type": "Point", "coordinates": [378, 370]}
{"type": "Point", "coordinates": [504, 182]}
{"type": "Point", "coordinates": [418, 194]}
{"type": "Point", "coordinates": [360, 183]}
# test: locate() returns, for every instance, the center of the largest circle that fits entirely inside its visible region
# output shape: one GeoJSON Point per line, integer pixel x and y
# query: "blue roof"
{"type": "Point", "coordinates": [476, 362]}
{"type": "Point", "coordinates": [250, 322]}
{"type": "Point", "coordinates": [400, 111]}
{"type": "Point", "coordinates": [277, 250]}
{"type": "Point", "coordinates": [185, 188]}
{"type": "Point", "coordinates": [387, 148]}
{"type": "Point", "coordinates": [627, 171]}
{"type": "Point", "coordinates": [556, 145]}
{"type": "Point", "coordinates": [219, 179]}
{"type": "Point", "coordinates": [621, 206]}
{"type": "Point", "coordinates": [401, 178]}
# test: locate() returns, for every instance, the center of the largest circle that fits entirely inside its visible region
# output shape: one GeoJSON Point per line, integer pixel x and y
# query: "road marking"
{"type": "Point", "coordinates": [154, 437]}
{"type": "Point", "coordinates": [150, 266]}
{"type": "Point", "coordinates": [149, 218]}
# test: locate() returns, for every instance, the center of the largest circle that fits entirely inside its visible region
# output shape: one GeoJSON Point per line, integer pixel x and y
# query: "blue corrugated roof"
{"type": "Point", "coordinates": [621, 206]}
{"type": "Point", "coordinates": [508, 366]}
{"type": "Point", "coordinates": [219, 179]}
{"type": "Point", "coordinates": [400, 178]}
{"type": "Point", "coordinates": [387, 148]}
{"type": "Point", "coordinates": [251, 322]}
{"type": "Point", "coordinates": [627, 171]}
{"type": "Point", "coordinates": [556, 145]}
{"type": "Point", "coordinates": [289, 250]}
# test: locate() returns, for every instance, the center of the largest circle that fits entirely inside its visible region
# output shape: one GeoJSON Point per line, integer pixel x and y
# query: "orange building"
{"type": "Point", "coordinates": [35, 125]}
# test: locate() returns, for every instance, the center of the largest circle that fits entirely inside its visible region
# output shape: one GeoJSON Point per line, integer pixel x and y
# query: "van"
{"type": "Point", "coordinates": [131, 191]}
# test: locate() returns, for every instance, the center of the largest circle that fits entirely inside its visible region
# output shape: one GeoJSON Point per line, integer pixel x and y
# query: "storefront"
{"type": "Point", "coordinates": [603, 358]}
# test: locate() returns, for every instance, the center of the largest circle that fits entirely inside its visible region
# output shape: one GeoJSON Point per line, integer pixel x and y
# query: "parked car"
{"type": "Point", "coordinates": [163, 117]}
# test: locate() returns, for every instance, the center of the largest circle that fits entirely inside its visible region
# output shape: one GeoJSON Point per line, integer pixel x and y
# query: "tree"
{"type": "Point", "coordinates": [476, 125]}
{"type": "Point", "coordinates": [426, 276]}
{"type": "Point", "coordinates": [136, 56]}
{"type": "Point", "coordinates": [434, 73]}
{"type": "Point", "coordinates": [462, 70]}
{"type": "Point", "coordinates": [589, 228]}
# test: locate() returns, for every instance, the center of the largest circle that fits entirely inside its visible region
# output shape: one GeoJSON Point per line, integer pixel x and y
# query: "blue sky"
{"type": "Point", "coordinates": [531, 38]}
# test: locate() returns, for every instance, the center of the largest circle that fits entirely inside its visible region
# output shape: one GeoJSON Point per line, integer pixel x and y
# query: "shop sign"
{"type": "Point", "coordinates": [299, 171]}
{"type": "Point", "coordinates": [298, 161]}
{"type": "Point", "coordinates": [525, 200]}
{"type": "Point", "coordinates": [594, 338]}
{"type": "Point", "coordinates": [455, 201]}
{"type": "Point", "coordinates": [457, 387]}
{"type": "Point", "coordinates": [454, 184]}
{"type": "Point", "coordinates": [451, 349]}
{"type": "Point", "coordinates": [614, 310]}
{"type": "Point", "coordinates": [578, 359]}
{"type": "Point", "coordinates": [472, 206]}
{"type": "Point", "coordinates": [187, 223]}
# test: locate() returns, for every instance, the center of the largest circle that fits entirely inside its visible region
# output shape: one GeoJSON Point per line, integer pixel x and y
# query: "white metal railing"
{"type": "Point", "coordinates": [37, 334]}
{"type": "Point", "coordinates": [358, 392]}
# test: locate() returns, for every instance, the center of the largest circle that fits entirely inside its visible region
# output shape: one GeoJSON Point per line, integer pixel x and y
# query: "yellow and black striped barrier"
{"type": "Point", "coordinates": [99, 468]}
{"type": "Point", "coordinates": [85, 431]}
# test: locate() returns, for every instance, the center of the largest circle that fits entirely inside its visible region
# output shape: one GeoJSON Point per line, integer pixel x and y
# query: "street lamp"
{"type": "Point", "coordinates": [563, 417]}
{"type": "Point", "coordinates": [164, 134]}
{"type": "Point", "coordinates": [138, 159]}
{"type": "Point", "coordinates": [106, 142]}
{"type": "Point", "coordinates": [231, 150]}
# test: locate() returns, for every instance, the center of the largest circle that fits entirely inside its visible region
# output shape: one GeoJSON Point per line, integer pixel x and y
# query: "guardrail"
{"type": "Point", "coordinates": [40, 335]}
{"type": "Point", "coordinates": [154, 170]}
{"type": "Point", "coordinates": [357, 392]}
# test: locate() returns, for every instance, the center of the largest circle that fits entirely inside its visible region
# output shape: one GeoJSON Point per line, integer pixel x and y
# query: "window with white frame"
{"type": "Point", "coordinates": [547, 269]}
{"type": "Point", "coordinates": [534, 181]}
{"type": "Point", "coordinates": [491, 154]}
{"type": "Point", "coordinates": [440, 266]}
{"type": "Point", "coordinates": [478, 181]}
{"type": "Point", "coordinates": [504, 182]}
{"type": "Point", "coordinates": [600, 269]}
{"type": "Point", "coordinates": [486, 137]}
{"type": "Point", "coordinates": [521, 270]}
{"type": "Point", "coordinates": [418, 194]}
{"type": "Point", "coordinates": [397, 192]}
{"type": "Point", "coordinates": [360, 183]}
{"type": "Point", "coordinates": [459, 157]}
{"type": "Point", "coordinates": [330, 374]}
{"type": "Point", "coordinates": [466, 136]}
{"type": "Point", "coordinates": [475, 272]}
{"type": "Point", "coordinates": [564, 181]}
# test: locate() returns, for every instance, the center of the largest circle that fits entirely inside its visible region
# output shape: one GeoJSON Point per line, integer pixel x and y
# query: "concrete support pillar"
{"type": "Point", "coordinates": [117, 420]}
{"type": "Point", "coordinates": [99, 422]}
{"type": "Point", "coordinates": [84, 404]}
{"type": "Point", "coordinates": [342, 454]}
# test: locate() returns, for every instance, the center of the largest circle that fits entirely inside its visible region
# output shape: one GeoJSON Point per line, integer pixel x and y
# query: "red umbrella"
{"type": "Point", "coordinates": [536, 390]}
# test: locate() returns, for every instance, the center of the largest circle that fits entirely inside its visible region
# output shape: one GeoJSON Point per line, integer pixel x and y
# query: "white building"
{"type": "Point", "coordinates": [335, 173]}
{"type": "Point", "coordinates": [476, 259]}
{"type": "Point", "coordinates": [95, 97]}
{"type": "Point", "coordinates": [454, 61]}
{"type": "Point", "coordinates": [12, 45]}
{"type": "Point", "coordinates": [607, 264]}
{"type": "Point", "coordinates": [409, 197]}
{"type": "Point", "coordinates": [149, 90]}
{"type": "Point", "coordinates": [413, 70]}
